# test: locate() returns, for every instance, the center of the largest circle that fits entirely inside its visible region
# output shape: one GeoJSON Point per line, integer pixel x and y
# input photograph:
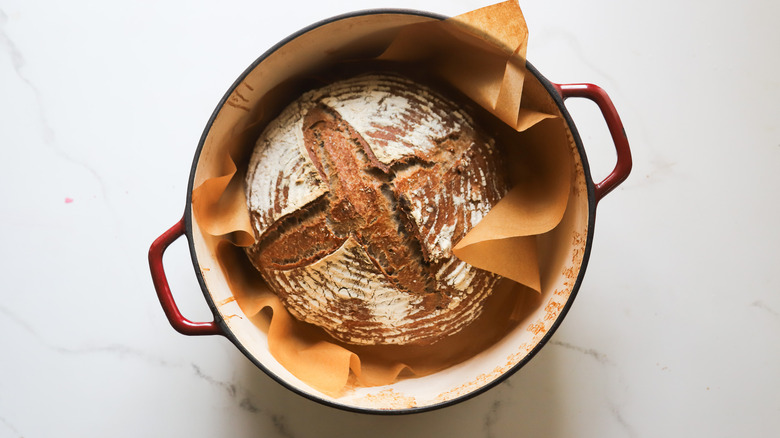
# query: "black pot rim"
{"type": "Point", "coordinates": [228, 333]}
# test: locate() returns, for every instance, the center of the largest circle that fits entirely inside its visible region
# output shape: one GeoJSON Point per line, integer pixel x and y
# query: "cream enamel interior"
{"type": "Point", "coordinates": [561, 250]}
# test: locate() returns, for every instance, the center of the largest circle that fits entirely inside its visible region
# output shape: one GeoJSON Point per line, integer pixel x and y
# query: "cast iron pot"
{"type": "Point", "coordinates": [562, 274]}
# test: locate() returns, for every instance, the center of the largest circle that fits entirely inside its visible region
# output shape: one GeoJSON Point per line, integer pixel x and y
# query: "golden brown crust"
{"type": "Point", "coordinates": [358, 204]}
{"type": "Point", "coordinates": [298, 240]}
{"type": "Point", "coordinates": [370, 261]}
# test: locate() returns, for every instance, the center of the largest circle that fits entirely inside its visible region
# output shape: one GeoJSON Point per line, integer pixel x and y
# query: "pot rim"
{"type": "Point", "coordinates": [219, 320]}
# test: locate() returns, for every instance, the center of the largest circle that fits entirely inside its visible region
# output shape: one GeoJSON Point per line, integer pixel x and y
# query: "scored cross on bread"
{"type": "Point", "coordinates": [357, 193]}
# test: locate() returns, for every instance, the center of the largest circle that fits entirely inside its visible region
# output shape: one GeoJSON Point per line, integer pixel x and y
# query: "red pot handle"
{"type": "Point", "coordinates": [177, 320]}
{"type": "Point", "coordinates": [600, 97]}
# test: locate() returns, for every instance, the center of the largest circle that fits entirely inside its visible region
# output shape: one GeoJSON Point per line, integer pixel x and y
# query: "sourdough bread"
{"type": "Point", "coordinates": [357, 193]}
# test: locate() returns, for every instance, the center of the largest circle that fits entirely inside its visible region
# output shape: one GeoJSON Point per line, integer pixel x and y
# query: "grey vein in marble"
{"type": "Point", "coordinates": [243, 399]}
{"type": "Point", "coordinates": [490, 419]}
{"type": "Point", "coordinates": [280, 424]}
{"type": "Point", "coordinates": [245, 402]}
{"type": "Point", "coordinates": [247, 405]}
{"type": "Point", "coordinates": [230, 388]}
{"type": "Point", "coordinates": [600, 357]}
{"type": "Point", "coordinates": [16, 56]}
{"type": "Point", "coordinates": [573, 42]}
{"type": "Point", "coordinates": [18, 62]}
{"type": "Point", "coordinates": [621, 421]}
{"type": "Point", "coordinates": [120, 350]}
{"type": "Point", "coordinates": [603, 359]}
{"type": "Point", "coordinates": [11, 427]}
{"type": "Point", "coordinates": [19, 321]}
{"type": "Point", "coordinates": [764, 306]}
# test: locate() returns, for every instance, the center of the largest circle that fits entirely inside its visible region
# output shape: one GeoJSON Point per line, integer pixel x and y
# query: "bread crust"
{"type": "Point", "coordinates": [357, 193]}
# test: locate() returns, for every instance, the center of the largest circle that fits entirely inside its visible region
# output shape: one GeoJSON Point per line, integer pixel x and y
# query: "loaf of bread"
{"type": "Point", "coordinates": [357, 193]}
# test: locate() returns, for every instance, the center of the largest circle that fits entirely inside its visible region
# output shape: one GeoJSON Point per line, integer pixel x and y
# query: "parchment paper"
{"type": "Point", "coordinates": [482, 55]}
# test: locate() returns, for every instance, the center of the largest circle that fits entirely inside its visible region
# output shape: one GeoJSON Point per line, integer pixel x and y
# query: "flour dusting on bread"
{"type": "Point", "coordinates": [357, 193]}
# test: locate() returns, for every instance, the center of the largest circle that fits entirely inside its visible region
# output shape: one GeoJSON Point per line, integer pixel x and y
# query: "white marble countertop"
{"type": "Point", "coordinates": [675, 331]}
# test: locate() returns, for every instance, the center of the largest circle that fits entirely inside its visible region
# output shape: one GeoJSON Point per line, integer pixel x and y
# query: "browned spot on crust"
{"type": "Point", "coordinates": [296, 240]}
{"type": "Point", "coordinates": [443, 190]}
{"type": "Point", "coordinates": [359, 204]}
{"type": "Point", "coordinates": [377, 206]}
